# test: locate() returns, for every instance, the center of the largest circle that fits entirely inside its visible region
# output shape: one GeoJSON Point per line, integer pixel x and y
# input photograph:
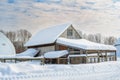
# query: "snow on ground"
{"type": "Point", "coordinates": [30, 71]}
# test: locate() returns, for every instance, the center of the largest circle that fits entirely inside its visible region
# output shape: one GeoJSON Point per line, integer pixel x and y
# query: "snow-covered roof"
{"type": "Point", "coordinates": [47, 36]}
{"type": "Point", "coordinates": [6, 47]}
{"type": "Point", "coordinates": [84, 44]}
{"type": "Point", "coordinates": [55, 54]}
{"type": "Point", "coordinates": [29, 52]}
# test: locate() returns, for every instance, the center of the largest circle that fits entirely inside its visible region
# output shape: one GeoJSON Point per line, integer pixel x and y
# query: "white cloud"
{"type": "Point", "coordinates": [99, 17]}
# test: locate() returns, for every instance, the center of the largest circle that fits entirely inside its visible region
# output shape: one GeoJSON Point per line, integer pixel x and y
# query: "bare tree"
{"type": "Point", "coordinates": [110, 40]}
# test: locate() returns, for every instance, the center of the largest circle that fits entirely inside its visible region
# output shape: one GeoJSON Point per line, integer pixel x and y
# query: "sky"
{"type": "Point", "coordinates": [88, 16]}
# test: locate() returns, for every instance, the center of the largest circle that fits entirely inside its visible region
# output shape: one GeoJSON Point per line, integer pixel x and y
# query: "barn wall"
{"type": "Point", "coordinates": [64, 34]}
{"type": "Point", "coordinates": [46, 49]}
{"type": "Point", "coordinates": [74, 36]}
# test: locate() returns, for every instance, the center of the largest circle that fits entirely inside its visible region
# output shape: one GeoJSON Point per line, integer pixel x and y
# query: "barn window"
{"type": "Point", "coordinates": [69, 32]}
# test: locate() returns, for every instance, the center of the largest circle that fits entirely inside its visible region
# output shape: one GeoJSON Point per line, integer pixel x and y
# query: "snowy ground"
{"type": "Point", "coordinates": [30, 71]}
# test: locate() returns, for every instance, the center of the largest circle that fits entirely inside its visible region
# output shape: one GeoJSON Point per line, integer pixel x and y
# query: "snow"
{"type": "Point", "coordinates": [84, 55]}
{"type": "Point", "coordinates": [32, 71]}
{"type": "Point", "coordinates": [76, 55]}
{"type": "Point", "coordinates": [55, 54]}
{"type": "Point", "coordinates": [29, 52]}
{"type": "Point", "coordinates": [84, 44]}
{"type": "Point", "coordinates": [47, 36]}
{"type": "Point", "coordinates": [6, 47]}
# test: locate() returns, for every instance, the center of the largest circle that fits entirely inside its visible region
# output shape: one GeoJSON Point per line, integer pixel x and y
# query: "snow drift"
{"type": "Point", "coordinates": [30, 71]}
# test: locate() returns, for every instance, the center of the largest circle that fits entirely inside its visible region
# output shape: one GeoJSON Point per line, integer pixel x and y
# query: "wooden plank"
{"type": "Point", "coordinates": [115, 56]}
{"type": "Point", "coordinates": [74, 52]}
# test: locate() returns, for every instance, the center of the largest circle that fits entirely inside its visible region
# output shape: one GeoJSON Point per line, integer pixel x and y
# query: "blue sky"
{"type": "Point", "coordinates": [89, 16]}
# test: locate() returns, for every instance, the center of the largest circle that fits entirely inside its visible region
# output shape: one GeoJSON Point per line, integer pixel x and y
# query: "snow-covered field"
{"type": "Point", "coordinates": [35, 71]}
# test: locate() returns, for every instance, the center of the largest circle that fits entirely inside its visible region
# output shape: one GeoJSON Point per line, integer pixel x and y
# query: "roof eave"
{"type": "Point", "coordinates": [41, 45]}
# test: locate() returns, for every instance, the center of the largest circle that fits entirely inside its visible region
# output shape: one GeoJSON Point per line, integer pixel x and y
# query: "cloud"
{"type": "Point", "coordinates": [38, 14]}
{"type": "Point", "coordinates": [48, 1]}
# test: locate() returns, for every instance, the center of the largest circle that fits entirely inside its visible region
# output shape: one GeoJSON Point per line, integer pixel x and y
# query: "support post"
{"type": "Point", "coordinates": [115, 56]}
{"type": "Point", "coordinates": [56, 47]}
{"type": "Point", "coordinates": [106, 57]}
{"type": "Point", "coordinates": [58, 60]}
{"type": "Point", "coordinates": [68, 58]}
{"type": "Point", "coordinates": [86, 56]}
{"type": "Point", "coordinates": [98, 57]}
{"type": "Point", "coordinates": [43, 61]}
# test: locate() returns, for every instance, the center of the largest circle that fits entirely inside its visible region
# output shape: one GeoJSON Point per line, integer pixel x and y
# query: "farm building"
{"type": "Point", "coordinates": [7, 49]}
{"type": "Point", "coordinates": [66, 37]}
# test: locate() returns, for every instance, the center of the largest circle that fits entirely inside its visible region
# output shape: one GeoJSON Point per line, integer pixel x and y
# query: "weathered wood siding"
{"type": "Point", "coordinates": [74, 36]}
{"type": "Point", "coordinates": [46, 49]}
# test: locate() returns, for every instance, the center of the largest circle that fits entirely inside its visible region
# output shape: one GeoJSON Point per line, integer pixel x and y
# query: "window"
{"type": "Point", "coordinates": [69, 32]}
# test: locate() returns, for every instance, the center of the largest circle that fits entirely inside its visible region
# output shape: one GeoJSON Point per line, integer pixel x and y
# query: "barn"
{"type": "Point", "coordinates": [66, 37]}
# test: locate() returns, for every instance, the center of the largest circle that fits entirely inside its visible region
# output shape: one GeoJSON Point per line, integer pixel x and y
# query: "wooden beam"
{"type": "Point", "coordinates": [70, 46]}
{"type": "Point", "coordinates": [42, 45]}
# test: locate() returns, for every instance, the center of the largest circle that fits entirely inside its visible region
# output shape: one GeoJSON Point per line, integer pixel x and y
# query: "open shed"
{"type": "Point", "coordinates": [84, 51]}
{"type": "Point", "coordinates": [56, 57]}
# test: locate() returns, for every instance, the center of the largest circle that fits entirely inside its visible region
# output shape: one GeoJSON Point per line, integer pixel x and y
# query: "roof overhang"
{"type": "Point", "coordinates": [80, 45]}
{"type": "Point", "coordinates": [42, 45]}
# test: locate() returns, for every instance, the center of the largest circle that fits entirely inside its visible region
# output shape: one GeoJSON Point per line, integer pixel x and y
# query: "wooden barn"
{"type": "Point", "coordinates": [45, 40]}
{"type": "Point", "coordinates": [66, 37]}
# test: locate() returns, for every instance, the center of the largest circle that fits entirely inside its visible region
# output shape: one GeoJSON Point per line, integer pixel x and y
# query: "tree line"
{"type": "Point", "coordinates": [98, 38]}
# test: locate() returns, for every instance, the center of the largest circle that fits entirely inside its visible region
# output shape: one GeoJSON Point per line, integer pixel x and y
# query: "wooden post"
{"type": "Point", "coordinates": [43, 61]}
{"type": "Point", "coordinates": [58, 60]}
{"type": "Point", "coordinates": [56, 47]}
{"type": "Point", "coordinates": [115, 56]}
{"type": "Point", "coordinates": [68, 59]}
{"type": "Point", "coordinates": [98, 57]}
{"type": "Point", "coordinates": [86, 56]}
{"type": "Point", "coordinates": [106, 57]}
